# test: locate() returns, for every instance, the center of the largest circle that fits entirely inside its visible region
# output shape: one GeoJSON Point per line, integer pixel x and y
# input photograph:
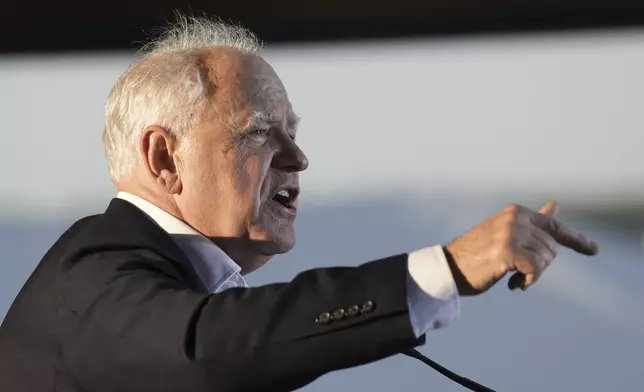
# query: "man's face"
{"type": "Point", "coordinates": [240, 170]}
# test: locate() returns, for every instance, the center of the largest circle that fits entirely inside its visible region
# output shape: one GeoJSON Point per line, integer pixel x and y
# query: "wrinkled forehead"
{"type": "Point", "coordinates": [251, 87]}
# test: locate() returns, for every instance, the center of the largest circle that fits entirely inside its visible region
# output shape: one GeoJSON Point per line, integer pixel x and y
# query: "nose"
{"type": "Point", "coordinates": [290, 157]}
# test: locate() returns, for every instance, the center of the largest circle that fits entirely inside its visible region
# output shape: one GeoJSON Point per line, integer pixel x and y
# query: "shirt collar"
{"type": "Point", "coordinates": [167, 221]}
{"type": "Point", "coordinates": [214, 267]}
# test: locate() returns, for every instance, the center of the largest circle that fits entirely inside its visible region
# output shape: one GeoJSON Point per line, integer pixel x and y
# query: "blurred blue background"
{"type": "Point", "coordinates": [411, 143]}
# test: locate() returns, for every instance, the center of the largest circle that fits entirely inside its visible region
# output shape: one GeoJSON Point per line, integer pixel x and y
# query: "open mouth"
{"type": "Point", "coordinates": [286, 197]}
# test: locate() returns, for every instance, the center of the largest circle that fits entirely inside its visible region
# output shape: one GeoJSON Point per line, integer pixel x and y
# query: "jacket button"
{"type": "Point", "coordinates": [323, 318]}
{"type": "Point", "coordinates": [338, 314]}
{"type": "Point", "coordinates": [367, 307]}
{"type": "Point", "coordinates": [353, 310]}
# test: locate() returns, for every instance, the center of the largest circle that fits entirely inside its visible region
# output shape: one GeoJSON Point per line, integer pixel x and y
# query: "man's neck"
{"type": "Point", "coordinates": [241, 250]}
{"type": "Point", "coordinates": [164, 201]}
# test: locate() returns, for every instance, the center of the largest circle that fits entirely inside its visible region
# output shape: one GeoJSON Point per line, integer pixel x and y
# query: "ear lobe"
{"type": "Point", "coordinates": [157, 152]}
{"type": "Point", "coordinates": [177, 187]}
{"type": "Point", "coordinates": [169, 181]}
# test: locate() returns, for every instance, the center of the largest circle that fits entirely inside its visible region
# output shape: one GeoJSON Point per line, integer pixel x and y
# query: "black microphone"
{"type": "Point", "coordinates": [466, 382]}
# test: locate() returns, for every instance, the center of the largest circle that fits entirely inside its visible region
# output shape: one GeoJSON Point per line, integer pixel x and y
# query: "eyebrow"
{"type": "Point", "coordinates": [258, 118]}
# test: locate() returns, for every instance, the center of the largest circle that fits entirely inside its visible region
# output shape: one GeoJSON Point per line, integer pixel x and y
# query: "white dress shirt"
{"type": "Point", "coordinates": [432, 297]}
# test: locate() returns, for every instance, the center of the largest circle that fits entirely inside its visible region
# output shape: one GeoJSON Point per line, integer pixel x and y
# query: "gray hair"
{"type": "Point", "coordinates": [166, 87]}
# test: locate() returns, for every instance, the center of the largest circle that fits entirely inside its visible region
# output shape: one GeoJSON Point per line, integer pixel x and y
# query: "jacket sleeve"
{"type": "Point", "coordinates": [129, 323]}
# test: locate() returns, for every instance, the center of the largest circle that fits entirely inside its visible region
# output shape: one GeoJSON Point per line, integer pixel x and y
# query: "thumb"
{"type": "Point", "coordinates": [550, 209]}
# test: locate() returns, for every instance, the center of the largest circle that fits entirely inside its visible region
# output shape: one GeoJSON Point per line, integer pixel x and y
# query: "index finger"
{"type": "Point", "coordinates": [564, 235]}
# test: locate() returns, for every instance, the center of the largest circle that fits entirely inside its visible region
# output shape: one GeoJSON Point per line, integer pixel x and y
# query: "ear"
{"type": "Point", "coordinates": [157, 149]}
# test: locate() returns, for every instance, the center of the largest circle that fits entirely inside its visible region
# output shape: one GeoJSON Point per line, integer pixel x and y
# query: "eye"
{"type": "Point", "coordinates": [259, 132]}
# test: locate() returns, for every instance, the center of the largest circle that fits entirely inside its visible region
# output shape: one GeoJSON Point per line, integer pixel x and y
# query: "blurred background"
{"type": "Point", "coordinates": [420, 119]}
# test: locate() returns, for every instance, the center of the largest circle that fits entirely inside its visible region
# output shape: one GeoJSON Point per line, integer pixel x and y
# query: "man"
{"type": "Point", "coordinates": [150, 295]}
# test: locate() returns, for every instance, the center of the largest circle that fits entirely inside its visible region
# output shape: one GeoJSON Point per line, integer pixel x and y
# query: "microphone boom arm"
{"type": "Point", "coordinates": [466, 382]}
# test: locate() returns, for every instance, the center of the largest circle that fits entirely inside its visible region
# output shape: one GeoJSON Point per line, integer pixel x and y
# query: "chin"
{"type": "Point", "coordinates": [275, 242]}
{"type": "Point", "coordinates": [284, 246]}
{"type": "Point", "coordinates": [277, 245]}
{"type": "Point", "coordinates": [263, 249]}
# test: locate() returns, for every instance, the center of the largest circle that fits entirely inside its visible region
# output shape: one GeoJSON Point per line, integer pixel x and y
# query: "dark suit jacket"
{"type": "Point", "coordinates": [111, 307]}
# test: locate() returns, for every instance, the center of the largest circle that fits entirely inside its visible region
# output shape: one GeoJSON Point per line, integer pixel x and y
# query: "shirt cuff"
{"type": "Point", "coordinates": [432, 296]}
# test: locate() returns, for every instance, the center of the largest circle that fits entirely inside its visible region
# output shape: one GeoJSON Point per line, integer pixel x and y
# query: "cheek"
{"type": "Point", "coordinates": [204, 179]}
{"type": "Point", "coordinates": [250, 172]}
